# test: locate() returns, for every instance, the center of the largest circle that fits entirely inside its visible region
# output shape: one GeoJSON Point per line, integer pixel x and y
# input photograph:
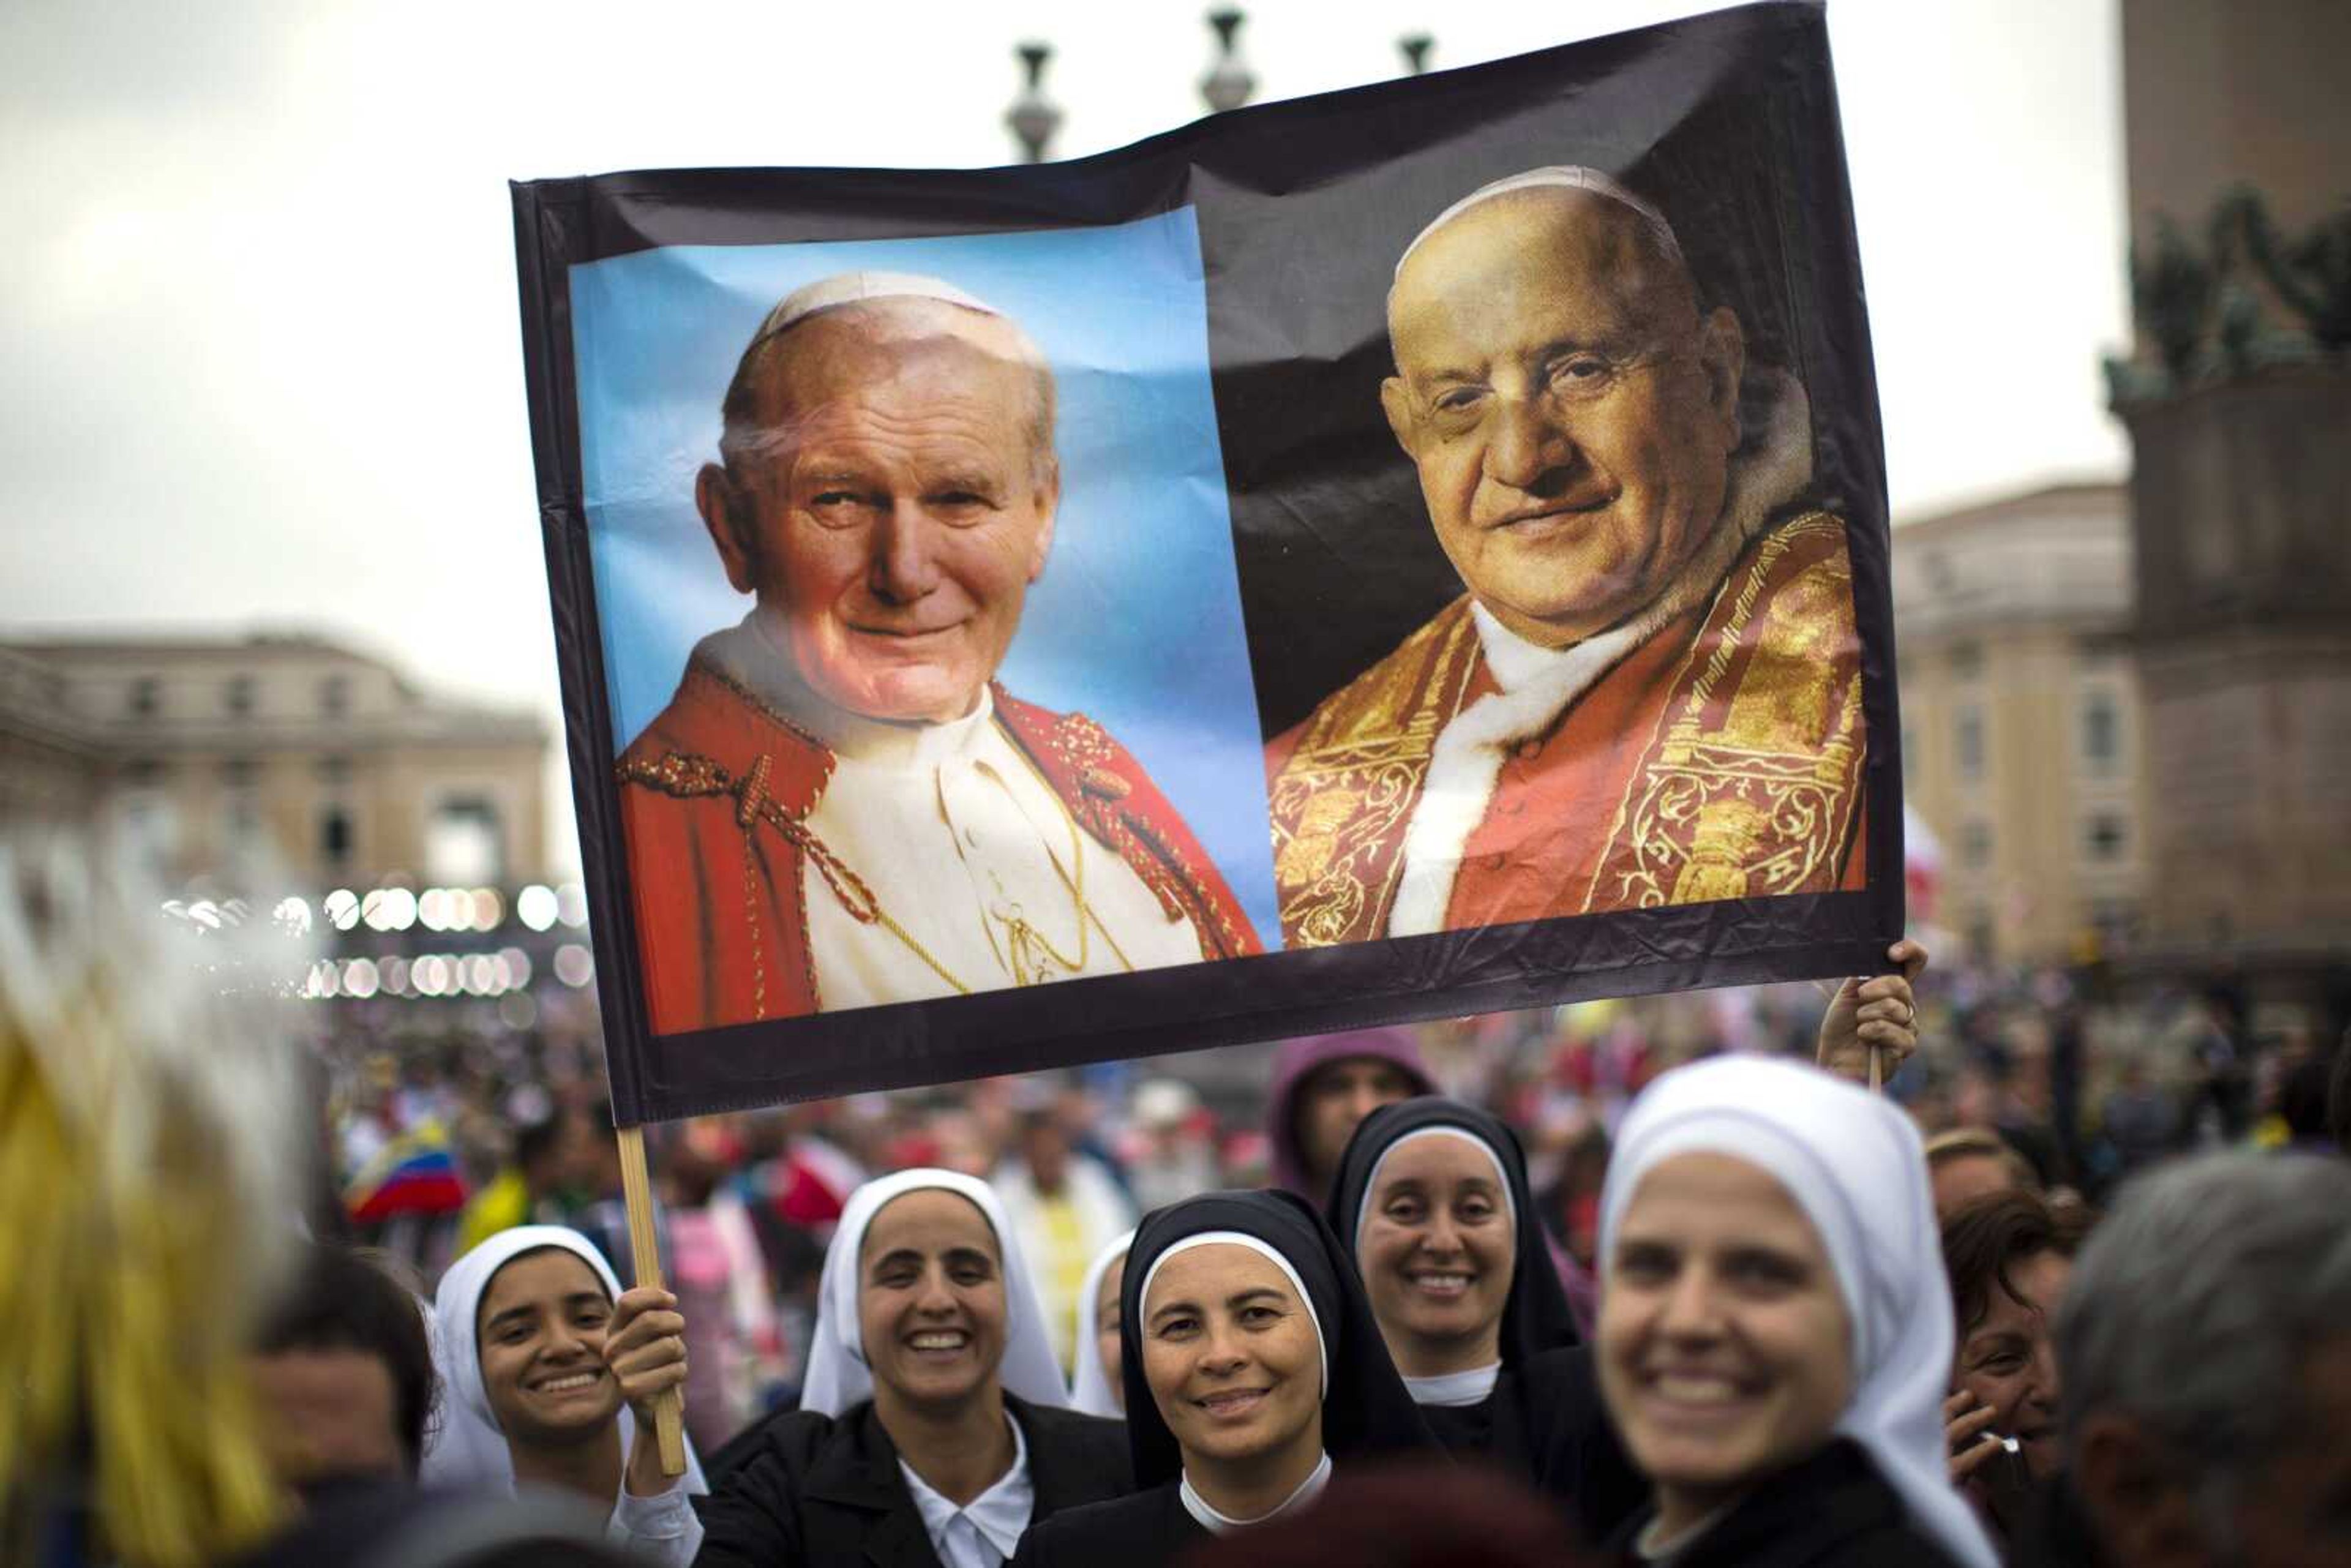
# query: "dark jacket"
{"type": "Point", "coordinates": [1544, 1424]}
{"type": "Point", "coordinates": [806, 1489]}
{"type": "Point", "coordinates": [1832, 1510]}
{"type": "Point", "coordinates": [2055, 1532]}
{"type": "Point", "coordinates": [1144, 1530]}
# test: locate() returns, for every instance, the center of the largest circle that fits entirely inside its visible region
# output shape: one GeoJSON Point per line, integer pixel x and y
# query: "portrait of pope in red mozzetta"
{"type": "Point", "coordinates": [841, 806]}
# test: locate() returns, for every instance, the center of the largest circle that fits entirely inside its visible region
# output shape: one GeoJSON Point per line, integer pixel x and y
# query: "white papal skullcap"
{"type": "Point", "coordinates": [857, 288]}
{"type": "Point", "coordinates": [1561, 176]}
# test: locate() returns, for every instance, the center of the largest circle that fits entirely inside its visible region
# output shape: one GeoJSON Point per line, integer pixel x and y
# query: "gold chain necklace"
{"type": "Point", "coordinates": [684, 776]}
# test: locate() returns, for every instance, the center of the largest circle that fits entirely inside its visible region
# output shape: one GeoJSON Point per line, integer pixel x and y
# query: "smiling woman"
{"type": "Point", "coordinates": [2009, 1257]}
{"type": "Point", "coordinates": [546, 1361]}
{"type": "Point", "coordinates": [543, 1318]}
{"type": "Point", "coordinates": [1773, 1330]}
{"type": "Point", "coordinates": [1433, 1203]}
{"type": "Point", "coordinates": [1233, 1354]}
{"type": "Point", "coordinates": [1252, 1363]}
{"type": "Point", "coordinates": [931, 1428]}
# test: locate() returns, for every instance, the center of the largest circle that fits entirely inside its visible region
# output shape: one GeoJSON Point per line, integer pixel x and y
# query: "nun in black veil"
{"type": "Point", "coordinates": [1433, 1205]}
{"type": "Point", "coordinates": [1252, 1365]}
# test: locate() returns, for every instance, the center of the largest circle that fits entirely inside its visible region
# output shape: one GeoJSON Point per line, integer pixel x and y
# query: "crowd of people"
{"type": "Point", "coordinates": [1630, 1282]}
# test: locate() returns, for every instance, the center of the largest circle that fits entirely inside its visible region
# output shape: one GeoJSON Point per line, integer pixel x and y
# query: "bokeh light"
{"type": "Point", "coordinates": [360, 978]}
{"type": "Point", "coordinates": [574, 965]}
{"type": "Point", "coordinates": [534, 906]}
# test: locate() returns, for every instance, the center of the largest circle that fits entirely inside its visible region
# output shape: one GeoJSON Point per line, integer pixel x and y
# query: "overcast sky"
{"type": "Point", "coordinates": [260, 363]}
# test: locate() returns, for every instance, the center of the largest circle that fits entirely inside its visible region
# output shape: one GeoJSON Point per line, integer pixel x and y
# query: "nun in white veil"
{"type": "Point", "coordinates": [1774, 1330]}
{"type": "Point", "coordinates": [933, 1427]}
{"type": "Point", "coordinates": [839, 1375]}
{"type": "Point", "coordinates": [470, 1447]}
{"type": "Point", "coordinates": [1096, 1385]}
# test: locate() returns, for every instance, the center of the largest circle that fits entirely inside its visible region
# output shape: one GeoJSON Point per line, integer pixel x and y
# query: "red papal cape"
{"type": "Point", "coordinates": [715, 794]}
{"type": "Point", "coordinates": [1718, 758]}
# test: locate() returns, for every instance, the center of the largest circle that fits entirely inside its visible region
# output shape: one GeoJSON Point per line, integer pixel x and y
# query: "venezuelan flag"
{"type": "Point", "coordinates": [414, 1174]}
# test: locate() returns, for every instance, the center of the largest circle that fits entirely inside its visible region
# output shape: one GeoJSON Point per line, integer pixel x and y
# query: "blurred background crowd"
{"type": "Point", "coordinates": [437, 1139]}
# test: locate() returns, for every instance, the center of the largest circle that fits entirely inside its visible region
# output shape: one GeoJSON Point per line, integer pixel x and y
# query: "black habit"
{"type": "Point", "coordinates": [1544, 1423]}
{"type": "Point", "coordinates": [1146, 1529]}
{"type": "Point", "coordinates": [1832, 1511]}
{"type": "Point", "coordinates": [1366, 1411]}
{"type": "Point", "coordinates": [1535, 1316]}
{"type": "Point", "coordinates": [806, 1489]}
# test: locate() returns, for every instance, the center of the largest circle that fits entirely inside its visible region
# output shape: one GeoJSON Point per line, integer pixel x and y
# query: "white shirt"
{"type": "Point", "coordinates": [1217, 1523]}
{"type": "Point", "coordinates": [1455, 1389]}
{"type": "Point", "coordinates": [965, 846]}
{"type": "Point", "coordinates": [984, 1531]}
{"type": "Point", "coordinates": [662, 1530]}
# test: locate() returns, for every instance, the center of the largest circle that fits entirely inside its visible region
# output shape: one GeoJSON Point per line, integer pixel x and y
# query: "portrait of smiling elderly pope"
{"type": "Point", "coordinates": [840, 807]}
{"type": "Point", "coordinates": [1650, 692]}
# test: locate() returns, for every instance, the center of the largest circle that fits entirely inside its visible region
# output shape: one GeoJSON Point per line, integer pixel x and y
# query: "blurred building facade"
{"type": "Point", "coordinates": [2021, 723]}
{"type": "Point", "coordinates": [2219, 92]}
{"type": "Point", "coordinates": [289, 753]}
{"type": "Point", "coordinates": [2238, 399]}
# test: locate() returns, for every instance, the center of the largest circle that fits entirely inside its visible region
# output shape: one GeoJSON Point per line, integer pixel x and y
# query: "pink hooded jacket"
{"type": "Point", "coordinates": [1297, 1060]}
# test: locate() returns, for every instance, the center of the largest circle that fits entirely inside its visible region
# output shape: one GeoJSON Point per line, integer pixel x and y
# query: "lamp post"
{"type": "Point", "coordinates": [1228, 83]}
{"type": "Point", "coordinates": [1034, 117]}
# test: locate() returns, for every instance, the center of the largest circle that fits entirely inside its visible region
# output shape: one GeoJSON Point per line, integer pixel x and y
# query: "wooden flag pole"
{"type": "Point", "coordinates": [1878, 1070]}
{"type": "Point", "coordinates": [637, 1189]}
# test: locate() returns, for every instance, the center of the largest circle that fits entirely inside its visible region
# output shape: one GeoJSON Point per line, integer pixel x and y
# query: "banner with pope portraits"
{"type": "Point", "coordinates": [1406, 552]}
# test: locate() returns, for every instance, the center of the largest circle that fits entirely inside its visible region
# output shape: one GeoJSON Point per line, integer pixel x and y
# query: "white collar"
{"type": "Point", "coordinates": [1000, 1513]}
{"type": "Point", "coordinates": [749, 656]}
{"type": "Point", "coordinates": [1648, 1548]}
{"type": "Point", "coordinates": [1550, 676]}
{"type": "Point", "coordinates": [1217, 1523]}
{"type": "Point", "coordinates": [1516, 662]}
{"type": "Point", "coordinates": [1455, 1389]}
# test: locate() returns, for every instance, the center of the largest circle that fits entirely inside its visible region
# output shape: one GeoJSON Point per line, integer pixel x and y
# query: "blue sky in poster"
{"type": "Point", "coordinates": [1137, 618]}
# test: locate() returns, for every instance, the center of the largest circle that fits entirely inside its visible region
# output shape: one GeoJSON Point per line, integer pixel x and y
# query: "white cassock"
{"type": "Point", "coordinates": [966, 847]}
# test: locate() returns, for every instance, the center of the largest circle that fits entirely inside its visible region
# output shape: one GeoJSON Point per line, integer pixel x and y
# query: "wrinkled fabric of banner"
{"type": "Point", "coordinates": [1406, 552]}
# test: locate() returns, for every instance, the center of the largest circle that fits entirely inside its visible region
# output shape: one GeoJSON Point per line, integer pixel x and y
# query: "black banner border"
{"type": "Point", "coordinates": [564, 222]}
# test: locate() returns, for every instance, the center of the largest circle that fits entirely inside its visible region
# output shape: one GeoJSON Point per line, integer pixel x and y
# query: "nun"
{"type": "Point", "coordinates": [1774, 1327]}
{"type": "Point", "coordinates": [933, 1427]}
{"type": "Point", "coordinates": [1252, 1365]}
{"type": "Point", "coordinates": [1096, 1386]}
{"type": "Point", "coordinates": [547, 1364]}
{"type": "Point", "coordinates": [1433, 1205]}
